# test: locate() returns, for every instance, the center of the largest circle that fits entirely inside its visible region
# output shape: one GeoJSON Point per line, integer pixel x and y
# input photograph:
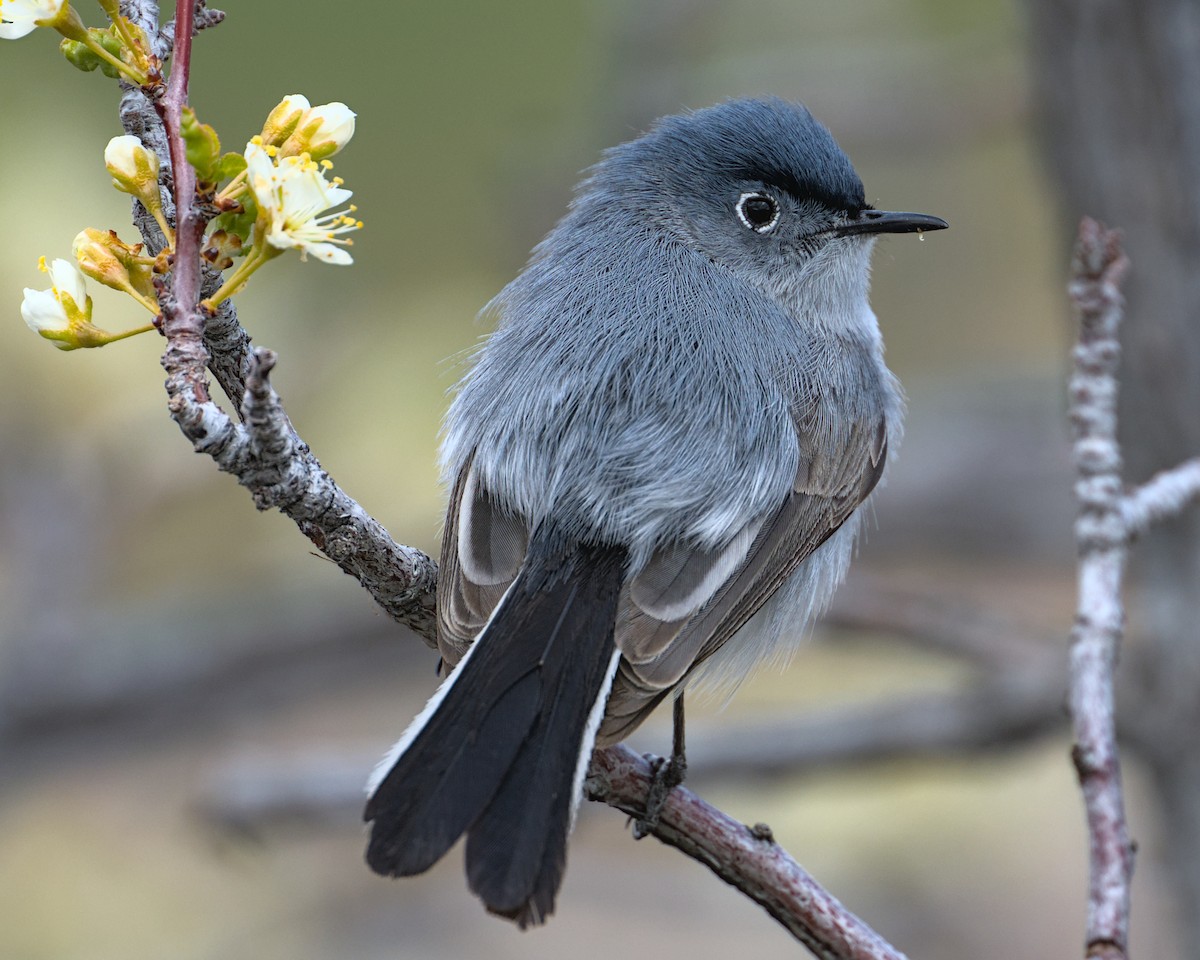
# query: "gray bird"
{"type": "Point", "coordinates": [657, 462]}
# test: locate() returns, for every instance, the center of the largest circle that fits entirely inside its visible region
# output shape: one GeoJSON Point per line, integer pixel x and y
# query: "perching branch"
{"type": "Point", "coordinates": [747, 858]}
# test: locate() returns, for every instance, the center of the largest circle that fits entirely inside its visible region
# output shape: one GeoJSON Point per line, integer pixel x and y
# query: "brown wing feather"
{"type": "Point", "coordinates": [659, 650]}
{"type": "Point", "coordinates": [827, 490]}
{"type": "Point", "coordinates": [497, 541]}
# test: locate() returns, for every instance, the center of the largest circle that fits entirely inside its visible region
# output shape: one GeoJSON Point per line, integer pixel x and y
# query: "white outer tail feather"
{"type": "Point", "coordinates": [389, 760]}
{"type": "Point", "coordinates": [589, 734]}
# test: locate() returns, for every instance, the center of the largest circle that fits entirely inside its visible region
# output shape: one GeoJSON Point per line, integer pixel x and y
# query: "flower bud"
{"type": "Point", "coordinates": [283, 119]}
{"type": "Point", "coordinates": [79, 55]}
{"type": "Point", "coordinates": [134, 168]}
{"type": "Point", "coordinates": [63, 313]}
{"type": "Point", "coordinates": [102, 256]}
{"type": "Point", "coordinates": [321, 132]}
{"type": "Point", "coordinates": [97, 261]}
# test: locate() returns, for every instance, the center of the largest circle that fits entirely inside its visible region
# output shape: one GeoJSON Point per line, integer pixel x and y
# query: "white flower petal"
{"type": "Point", "coordinates": [130, 163]}
{"type": "Point", "coordinates": [42, 311]}
{"type": "Point", "coordinates": [68, 278]}
{"type": "Point", "coordinates": [335, 123]}
{"type": "Point", "coordinates": [294, 101]}
{"type": "Point", "coordinates": [120, 150]}
{"type": "Point", "coordinates": [292, 192]}
{"type": "Point", "coordinates": [336, 196]}
{"type": "Point", "coordinates": [305, 192]}
{"type": "Point", "coordinates": [258, 162]}
{"type": "Point", "coordinates": [16, 30]}
{"type": "Point", "coordinates": [22, 17]}
{"type": "Point", "coordinates": [330, 253]}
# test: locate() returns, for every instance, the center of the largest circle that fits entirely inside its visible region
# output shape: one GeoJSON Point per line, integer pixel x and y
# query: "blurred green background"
{"type": "Point", "coordinates": [162, 643]}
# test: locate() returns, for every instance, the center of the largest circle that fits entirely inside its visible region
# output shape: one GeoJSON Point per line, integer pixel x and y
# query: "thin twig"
{"type": "Point", "coordinates": [1102, 537]}
{"type": "Point", "coordinates": [1162, 497]}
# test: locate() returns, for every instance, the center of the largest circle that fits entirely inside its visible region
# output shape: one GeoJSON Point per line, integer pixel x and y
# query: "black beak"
{"type": "Point", "coordinates": [883, 221]}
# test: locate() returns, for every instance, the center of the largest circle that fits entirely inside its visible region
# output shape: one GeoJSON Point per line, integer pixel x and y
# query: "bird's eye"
{"type": "Point", "coordinates": [757, 211]}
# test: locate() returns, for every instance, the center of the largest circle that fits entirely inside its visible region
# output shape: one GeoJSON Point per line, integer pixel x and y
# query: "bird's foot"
{"type": "Point", "coordinates": [666, 775]}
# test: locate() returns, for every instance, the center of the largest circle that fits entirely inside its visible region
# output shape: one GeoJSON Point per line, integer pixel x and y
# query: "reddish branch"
{"type": "Point", "coordinates": [186, 357]}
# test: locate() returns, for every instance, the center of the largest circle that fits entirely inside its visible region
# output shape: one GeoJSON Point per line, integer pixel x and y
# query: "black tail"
{"type": "Point", "coordinates": [497, 754]}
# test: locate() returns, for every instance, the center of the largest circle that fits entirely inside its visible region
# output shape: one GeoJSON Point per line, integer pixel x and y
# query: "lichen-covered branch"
{"type": "Point", "coordinates": [282, 473]}
{"type": "Point", "coordinates": [1107, 523]}
{"type": "Point", "coordinates": [1102, 538]}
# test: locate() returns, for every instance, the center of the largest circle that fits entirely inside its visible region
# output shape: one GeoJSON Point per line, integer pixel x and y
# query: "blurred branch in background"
{"type": "Point", "coordinates": [1107, 523]}
{"type": "Point", "coordinates": [1009, 700]}
{"type": "Point", "coordinates": [1118, 87]}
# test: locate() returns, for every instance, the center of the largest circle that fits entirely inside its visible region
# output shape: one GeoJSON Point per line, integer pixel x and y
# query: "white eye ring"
{"type": "Point", "coordinates": [752, 220]}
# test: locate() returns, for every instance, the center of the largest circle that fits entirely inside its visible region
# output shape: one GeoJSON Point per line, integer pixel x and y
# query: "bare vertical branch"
{"type": "Point", "coordinates": [1101, 536]}
{"type": "Point", "coordinates": [1117, 87]}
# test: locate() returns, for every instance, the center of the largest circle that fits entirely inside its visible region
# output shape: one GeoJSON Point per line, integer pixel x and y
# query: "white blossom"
{"type": "Point", "coordinates": [133, 167]}
{"type": "Point", "coordinates": [322, 131]}
{"type": "Point", "coordinates": [60, 312]}
{"type": "Point", "coordinates": [297, 127]}
{"type": "Point", "coordinates": [284, 119]}
{"type": "Point", "coordinates": [21, 17]}
{"type": "Point", "coordinates": [292, 192]}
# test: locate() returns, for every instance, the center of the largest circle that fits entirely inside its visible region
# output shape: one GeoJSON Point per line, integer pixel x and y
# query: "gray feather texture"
{"type": "Point", "coordinates": [658, 464]}
{"type": "Point", "coordinates": [661, 376]}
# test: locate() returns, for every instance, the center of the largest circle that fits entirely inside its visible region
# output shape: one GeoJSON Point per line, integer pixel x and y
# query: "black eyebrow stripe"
{"type": "Point", "coordinates": [803, 190]}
